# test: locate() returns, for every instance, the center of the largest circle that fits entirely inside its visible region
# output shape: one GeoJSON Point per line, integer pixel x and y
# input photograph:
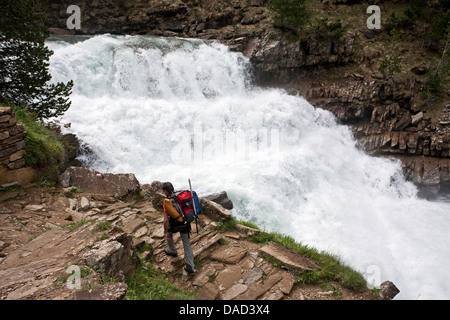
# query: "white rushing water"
{"type": "Point", "coordinates": [173, 109]}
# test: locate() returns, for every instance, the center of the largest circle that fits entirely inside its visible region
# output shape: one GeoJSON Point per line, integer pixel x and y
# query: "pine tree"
{"type": "Point", "coordinates": [289, 14]}
{"type": "Point", "coordinates": [24, 75]}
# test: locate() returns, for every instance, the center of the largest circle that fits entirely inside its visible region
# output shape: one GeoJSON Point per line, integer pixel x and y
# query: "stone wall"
{"type": "Point", "coordinates": [12, 149]}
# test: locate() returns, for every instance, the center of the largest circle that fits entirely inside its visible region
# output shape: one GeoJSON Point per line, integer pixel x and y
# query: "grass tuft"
{"type": "Point", "coordinates": [147, 283]}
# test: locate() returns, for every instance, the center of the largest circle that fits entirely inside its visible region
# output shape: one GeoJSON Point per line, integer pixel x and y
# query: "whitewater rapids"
{"type": "Point", "coordinates": [172, 109]}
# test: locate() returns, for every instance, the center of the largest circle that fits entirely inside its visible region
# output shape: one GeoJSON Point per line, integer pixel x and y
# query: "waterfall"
{"type": "Point", "coordinates": [170, 109]}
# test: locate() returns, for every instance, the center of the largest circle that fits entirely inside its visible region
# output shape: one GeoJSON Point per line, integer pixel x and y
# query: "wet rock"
{"type": "Point", "coordinates": [222, 199]}
{"type": "Point", "coordinates": [72, 150]}
{"type": "Point", "coordinates": [428, 192]}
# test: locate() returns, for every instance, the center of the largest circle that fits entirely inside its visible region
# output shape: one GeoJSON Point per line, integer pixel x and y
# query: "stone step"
{"type": "Point", "coordinates": [200, 247]}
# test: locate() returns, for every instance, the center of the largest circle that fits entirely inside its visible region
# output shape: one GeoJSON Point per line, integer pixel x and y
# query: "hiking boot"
{"type": "Point", "coordinates": [189, 272]}
{"type": "Point", "coordinates": [170, 253]}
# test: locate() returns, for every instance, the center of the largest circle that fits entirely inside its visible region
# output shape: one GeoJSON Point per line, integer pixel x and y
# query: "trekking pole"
{"type": "Point", "coordinates": [193, 203]}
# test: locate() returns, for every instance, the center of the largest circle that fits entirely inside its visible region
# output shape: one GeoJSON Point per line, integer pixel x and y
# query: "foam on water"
{"type": "Point", "coordinates": [173, 109]}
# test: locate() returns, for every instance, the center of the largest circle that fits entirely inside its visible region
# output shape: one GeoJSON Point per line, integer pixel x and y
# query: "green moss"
{"type": "Point", "coordinates": [44, 150]}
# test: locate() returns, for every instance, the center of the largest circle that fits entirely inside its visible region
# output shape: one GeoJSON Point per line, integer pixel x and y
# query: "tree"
{"type": "Point", "coordinates": [391, 63]}
{"type": "Point", "coordinates": [289, 14]}
{"type": "Point", "coordinates": [24, 57]}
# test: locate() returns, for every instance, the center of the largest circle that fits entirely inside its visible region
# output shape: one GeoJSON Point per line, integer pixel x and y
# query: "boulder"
{"type": "Point", "coordinates": [84, 204]}
{"type": "Point", "coordinates": [388, 290]}
{"type": "Point", "coordinates": [115, 256]}
{"type": "Point", "coordinates": [213, 210]}
{"type": "Point", "coordinates": [222, 199]}
{"type": "Point", "coordinates": [417, 118]}
{"type": "Point", "coordinates": [150, 189]}
{"type": "Point", "coordinates": [158, 199]}
{"type": "Point", "coordinates": [93, 182]}
{"type": "Point", "coordinates": [105, 255]}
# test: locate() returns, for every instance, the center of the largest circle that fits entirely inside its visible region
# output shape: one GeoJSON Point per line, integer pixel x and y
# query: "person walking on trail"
{"type": "Point", "coordinates": [173, 223]}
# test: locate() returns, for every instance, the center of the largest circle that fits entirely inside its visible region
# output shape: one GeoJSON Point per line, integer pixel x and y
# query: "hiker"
{"type": "Point", "coordinates": [173, 223]}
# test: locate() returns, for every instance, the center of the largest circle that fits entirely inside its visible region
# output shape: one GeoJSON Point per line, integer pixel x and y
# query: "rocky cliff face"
{"type": "Point", "coordinates": [337, 70]}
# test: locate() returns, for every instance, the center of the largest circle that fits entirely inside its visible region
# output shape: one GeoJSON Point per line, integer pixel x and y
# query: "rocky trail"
{"type": "Point", "coordinates": [68, 243]}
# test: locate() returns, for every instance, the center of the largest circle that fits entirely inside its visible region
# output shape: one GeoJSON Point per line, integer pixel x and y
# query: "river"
{"type": "Point", "coordinates": [173, 109]}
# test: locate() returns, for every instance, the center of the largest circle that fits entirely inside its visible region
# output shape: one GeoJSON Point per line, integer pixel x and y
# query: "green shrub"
{"type": "Point", "coordinates": [328, 30]}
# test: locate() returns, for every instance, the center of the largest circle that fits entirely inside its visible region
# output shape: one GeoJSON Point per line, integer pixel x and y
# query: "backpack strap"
{"type": "Point", "coordinates": [177, 206]}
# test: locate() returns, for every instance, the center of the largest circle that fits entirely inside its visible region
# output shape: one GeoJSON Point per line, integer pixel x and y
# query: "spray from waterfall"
{"type": "Point", "coordinates": [173, 109]}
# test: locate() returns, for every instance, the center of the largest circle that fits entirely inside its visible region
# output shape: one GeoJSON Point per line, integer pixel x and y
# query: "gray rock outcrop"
{"type": "Point", "coordinates": [93, 182]}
